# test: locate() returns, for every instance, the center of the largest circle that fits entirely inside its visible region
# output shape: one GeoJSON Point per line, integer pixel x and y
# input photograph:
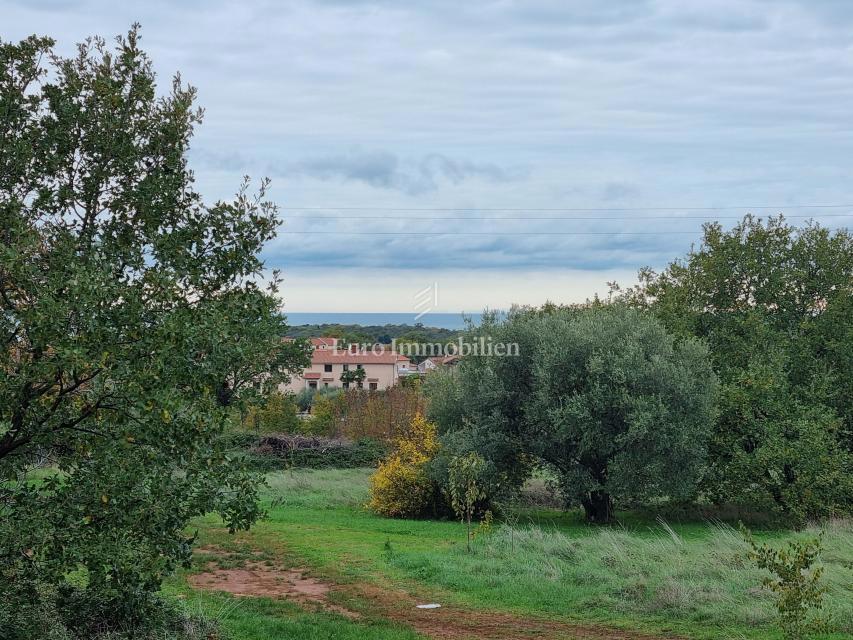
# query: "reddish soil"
{"type": "Point", "coordinates": [454, 623]}
{"type": "Point", "coordinates": [449, 622]}
{"type": "Point", "coordinates": [259, 580]}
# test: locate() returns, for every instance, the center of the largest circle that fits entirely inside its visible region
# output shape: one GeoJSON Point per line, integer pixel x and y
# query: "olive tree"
{"type": "Point", "coordinates": [619, 409]}
{"type": "Point", "coordinates": [603, 395]}
{"type": "Point", "coordinates": [132, 318]}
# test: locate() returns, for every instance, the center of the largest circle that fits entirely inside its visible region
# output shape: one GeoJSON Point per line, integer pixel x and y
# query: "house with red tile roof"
{"type": "Point", "coordinates": [329, 360]}
{"type": "Point", "coordinates": [435, 362]}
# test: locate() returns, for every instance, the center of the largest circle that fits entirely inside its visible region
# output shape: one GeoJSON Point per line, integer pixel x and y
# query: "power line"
{"type": "Point", "coordinates": [490, 233]}
{"type": "Point", "coordinates": [579, 209]}
{"type": "Point", "coordinates": [596, 218]}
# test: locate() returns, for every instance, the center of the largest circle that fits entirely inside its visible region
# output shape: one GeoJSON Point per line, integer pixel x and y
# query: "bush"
{"type": "Point", "coordinates": [73, 612]}
{"type": "Point", "coordinates": [359, 413]}
{"type": "Point", "coordinates": [795, 582]}
{"type": "Point", "coordinates": [466, 480]}
{"type": "Point", "coordinates": [401, 487]}
{"type": "Point", "coordinates": [274, 452]}
{"type": "Point", "coordinates": [276, 414]}
{"type": "Point", "coordinates": [326, 410]}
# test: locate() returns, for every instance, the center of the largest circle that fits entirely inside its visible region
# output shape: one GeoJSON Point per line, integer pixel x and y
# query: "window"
{"type": "Point", "coordinates": [373, 386]}
{"type": "Point", "coordinates": [346, 367]}
{"type": "Point", "coordinates": [327, 368]}
{"type": "Point", "coordinates": [358, 366]}
{"type": "Point", "coordinates": [312, 384]}
{"type": "Point", "coordinates": [325, 385]}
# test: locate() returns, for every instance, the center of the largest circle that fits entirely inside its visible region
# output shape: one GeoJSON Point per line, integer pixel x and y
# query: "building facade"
{"type": "Point", "coordinates": [382, 367]}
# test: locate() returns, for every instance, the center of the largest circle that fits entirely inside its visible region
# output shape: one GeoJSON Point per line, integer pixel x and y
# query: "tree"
{"type": "Point", "coordinates": [132, 323]}
{"type": "Point", "coordinates": [620, 409]}
{"type": "Point", "coordinates": [775, 453]}
{"type": "Point", "coordinates": [465, 487]}
{"type": "Point", "coordinates": [775, 304]}
{"type": "Point", "coordinates": [603, 395]}
{"type": "Point", "coordinates": [353, 376]}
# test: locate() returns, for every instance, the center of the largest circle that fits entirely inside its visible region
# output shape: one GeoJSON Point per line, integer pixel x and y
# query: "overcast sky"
{"type": "Point", "coordinates": [383, 109]}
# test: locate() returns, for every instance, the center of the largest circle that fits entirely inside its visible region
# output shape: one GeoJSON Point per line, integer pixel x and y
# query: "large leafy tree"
{"type": "Point", "coordinates": [602, 395]}
{"type": "Point", "coordinates": [131, 318]}
{"type": "Point", "coordinates": [775, 304]}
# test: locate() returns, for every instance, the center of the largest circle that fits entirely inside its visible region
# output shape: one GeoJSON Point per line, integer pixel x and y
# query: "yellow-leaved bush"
{"type": "Point", "coordinates": [401, 488]}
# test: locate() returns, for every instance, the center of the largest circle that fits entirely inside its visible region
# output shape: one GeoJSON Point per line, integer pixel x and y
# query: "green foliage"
{"type": "Point", "coordinates": [274, 414]}
{"type": "Point", "coordinates": [280, 451]}
{"type": "Point", "coordinates": [384, 334]}
{"type": "Point", "coordinates": [603, 395]}
{"type": "Point", "coordinates": [465, 486]}
{"type": "Point", "coordinates": [773, 452]}
{"type": "Point", "coordinates": [353, 376]}
{"type": "Point", "coordinates": [775, 304]}
{"type": "Point", "coordinates": [795, 581]}
{"type": "Point", "coordinates": [132, 324]}
{"type": "Point", "coordinates": [325, 412]}
{"type": "Point", "coordinates": [304, 399]}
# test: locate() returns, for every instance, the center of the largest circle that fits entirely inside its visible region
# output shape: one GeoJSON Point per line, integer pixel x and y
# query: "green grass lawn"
{"type": "Point", "coordinates": [690, 578]}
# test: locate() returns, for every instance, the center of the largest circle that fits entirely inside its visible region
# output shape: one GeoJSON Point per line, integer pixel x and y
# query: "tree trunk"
{"type": "Point", "coordinates": [598, 507]}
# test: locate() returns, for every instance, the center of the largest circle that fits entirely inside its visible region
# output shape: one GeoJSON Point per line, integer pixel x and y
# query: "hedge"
{"type": "Point", "coordinates": [273, 452]}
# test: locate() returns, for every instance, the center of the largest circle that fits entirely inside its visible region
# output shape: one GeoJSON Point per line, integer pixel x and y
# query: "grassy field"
{"type": "Point", "coordinates": [688, 578]}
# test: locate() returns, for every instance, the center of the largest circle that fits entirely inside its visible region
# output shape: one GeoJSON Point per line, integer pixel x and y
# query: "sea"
{"type": "Point", "coordinates": [440, 320]}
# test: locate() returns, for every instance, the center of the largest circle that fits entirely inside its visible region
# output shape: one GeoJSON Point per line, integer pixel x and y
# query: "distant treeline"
{"type": "Point", "coordinates": [374, 333]}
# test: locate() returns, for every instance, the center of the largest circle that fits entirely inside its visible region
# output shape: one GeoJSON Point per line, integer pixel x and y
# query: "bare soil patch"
{"type": "Point", "coordinates": [455, 623]}
{"type": "Point", "coordinates": [254, 579]}
{"type": "Point", "coordinates": [450, 622]}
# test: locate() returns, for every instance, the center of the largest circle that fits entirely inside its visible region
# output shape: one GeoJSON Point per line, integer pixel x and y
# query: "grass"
{"type": "Point", "coordinates": [262, 619]}
{"type": "Point", "coordinates": [690, 578]}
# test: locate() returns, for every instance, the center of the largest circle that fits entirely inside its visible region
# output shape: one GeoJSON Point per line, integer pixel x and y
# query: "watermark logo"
{"type": "Point", "coordinates": [426, 300]}
{"type": "Point", "coordinates": [460, 348]}
{"type": "Point", "coordinates": [469, 346]}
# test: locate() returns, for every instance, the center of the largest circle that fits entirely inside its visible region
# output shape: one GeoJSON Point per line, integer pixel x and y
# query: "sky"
{"type": "Point", "coordinates": [424, 145]}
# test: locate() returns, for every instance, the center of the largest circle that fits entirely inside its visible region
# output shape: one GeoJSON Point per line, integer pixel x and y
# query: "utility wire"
{"type": "Point", "coordinates": [464, 218]}
{"type": "Point", "coordinates": [578, 209]}
{"type": "Point", "coordinates": [491, 233]}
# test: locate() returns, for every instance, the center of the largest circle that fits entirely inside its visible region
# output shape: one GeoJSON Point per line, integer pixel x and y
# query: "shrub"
{"type": "Point", "coordinates": [383, 415]}
{"type": "Point", "coordinates": [304, 399]}
{"type": "Point", "coordinates": [795, 582]}
{"type": "Point", "coordinates": [325, 413]}
{"type": "Point", "coordinates": [275, 414]}
{"type": "Point", "coordinates": [401, 487]}
{"type": "Point", "coordinates": [299, 451]}
{"type": "Point", "coordinates": [466, 488]}
{"type": "Point", "coordinates": [277, 451]}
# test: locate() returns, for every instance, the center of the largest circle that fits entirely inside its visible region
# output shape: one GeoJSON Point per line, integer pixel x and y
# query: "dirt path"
{"type": "Point", "coordinates": [455, 623]}
{"type": "Point", "coordinates": [450, 622]}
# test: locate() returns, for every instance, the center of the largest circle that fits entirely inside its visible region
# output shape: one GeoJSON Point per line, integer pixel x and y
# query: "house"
{"type": "Point", "coordinates": [434, 362]}
{"type": "Point", "coordinates": [382, 366]}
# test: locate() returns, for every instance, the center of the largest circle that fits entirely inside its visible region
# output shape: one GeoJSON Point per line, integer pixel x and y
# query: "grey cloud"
{"type": "Point", "coordinates": [659, 103]}
{"type": "Point", "coordinates": [618, 191]}
{"type": "Point", "coordinates": [385, 170]}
